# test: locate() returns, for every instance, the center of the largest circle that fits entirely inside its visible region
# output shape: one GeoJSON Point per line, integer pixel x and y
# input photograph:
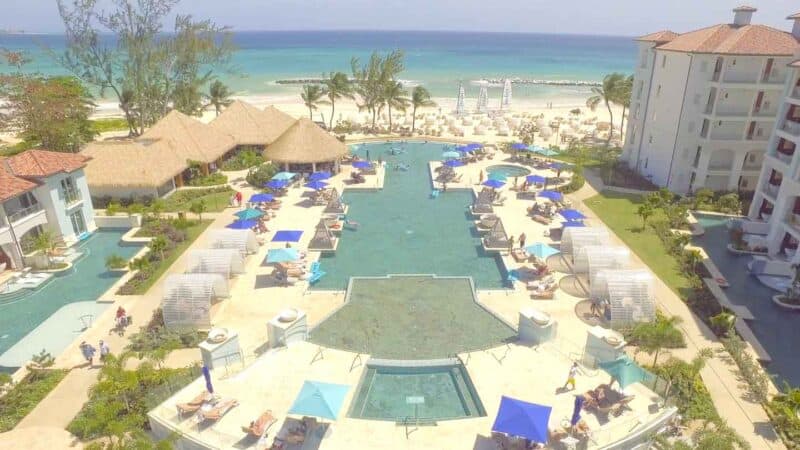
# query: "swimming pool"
{"type": "Point", "coordinates": [432, 391]}
{"type": "Point", "coordinates": [405, 231]}
{"type": "Point", "coordinates": [775, 328]}
{"type": "Point", "coordinates": [508, 170]}
{"type": "Point", "coordinates": [86, 281]}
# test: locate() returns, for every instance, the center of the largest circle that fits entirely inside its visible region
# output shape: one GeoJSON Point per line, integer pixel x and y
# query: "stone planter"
{"type": "Point", "coordinates": [736, 251]}
{"type": "Point", "coordinates": [777, 299]}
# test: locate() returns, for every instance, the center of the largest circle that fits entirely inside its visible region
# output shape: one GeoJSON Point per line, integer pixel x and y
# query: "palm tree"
{"type": "Point", "coordinates": [338, 86]}
{"type": "Point", "coordinates": [312, 97]}
{"type": "Point", "coordinates": [420, 98]}
{"type": "Point", "coordinates": [622, 97]}
{"type": "Point", "coordinates": [395, 96]}
{"type": "Point", "coordinates": [218, 96]}
{"type": "Point", "coordinates": [45, 242]}
{"type": "Point", "coordinates": [606, 94]}
{"type": "Point", "coordinates": [158, 244]}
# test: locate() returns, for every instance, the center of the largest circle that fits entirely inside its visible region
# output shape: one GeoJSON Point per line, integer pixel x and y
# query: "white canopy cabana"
{"type": "Point", "coordinates": [242, 240]}
{"type": "Point", "coordinates": [505, 101]}
{"type": "Point", "coordinates": [497, 237]}
{"type": "Point", "coordinates": [483, 202]}
{"type": "Point", "coordinates": [187, 298]}
{"type": "Point", "coordinates": [323, 239]}
{"type": "Point", "coordinates": [335, 205]}
{"type": "Point", "coordinates": [628, 292]}
{"type": "Point", "coordinates": [460, 109]}
{"type": "Point", "coordinates": [573, 238]}
{"type": "Point", "coordinates": [593, 258]}
{"type": "Point", "coordinates": [223, 261]}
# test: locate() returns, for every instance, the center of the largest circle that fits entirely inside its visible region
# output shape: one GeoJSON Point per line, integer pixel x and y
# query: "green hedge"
{"type": "Point", "coordinates": [25, 395]}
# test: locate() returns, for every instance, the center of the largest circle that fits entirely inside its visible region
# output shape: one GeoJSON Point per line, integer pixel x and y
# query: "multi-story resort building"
{"type": "Point", "coordinates": [41, 190]}
{"type": "Point", "coordinates": [704, 103]}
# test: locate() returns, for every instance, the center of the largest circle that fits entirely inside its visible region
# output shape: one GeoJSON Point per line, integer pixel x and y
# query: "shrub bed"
{"type": "Point", "coordinates": [243, 159]}
{"type": "Point", "coordinates": [213, 179]}
{"type": "Point", "coordinates": [25, 395]}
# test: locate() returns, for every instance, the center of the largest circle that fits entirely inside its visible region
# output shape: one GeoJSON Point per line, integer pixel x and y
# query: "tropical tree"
{"type": "Point", "coordinates": [622, 97]}
{"type": "Point", "coordinates": [645, 211]}
{"type": "Point", "coordinates": [45, 242]}
{"type": "Point", "coordinates": [158, 244]}
{"type": "Point", "coordinates": [371, 79]}
{"type": "Point", "coordinates": [199, 207]}
{"type": "Point", "coordinates": [652, 337]}
{"type": "Point", "coordinates": [147, 68]}
{"type": "Point", "coordinates": [420, 98]}
{"type": "Point", "coordinates": [606, 94]}
{"type": "Point", "coordinates": [312, 96]}
{"type": "Point", "coordinates": [395, 97]}
{"type": "Point", "coordinates": [218, 96]}
{"type": "Point", "coordinates": [337, 86]}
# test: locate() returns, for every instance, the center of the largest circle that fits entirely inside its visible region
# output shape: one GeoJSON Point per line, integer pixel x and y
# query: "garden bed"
{"type": "Point", "coordinates": [216, 199]}
{"type": "Point", "coordinates": [26, 394]}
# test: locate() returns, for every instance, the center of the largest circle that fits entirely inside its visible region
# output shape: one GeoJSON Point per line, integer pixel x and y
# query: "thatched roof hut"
{"type": "Point", "coordinates": [249, 125]}
{"type": "Point", "coordinates": [192, 139]}
{"type": "Point", "coordinates": [305, 143]}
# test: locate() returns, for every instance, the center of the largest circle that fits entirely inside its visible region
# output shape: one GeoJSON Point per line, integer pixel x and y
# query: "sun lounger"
{"type": "Point", "coordinates": [219, 410]}
{"type": "Point", "coordinates": [259, 427]}
{"type": "Point", "coordinates": [541, 219]}
{"type": "Point", "coordinates": [543, 295]}
{"type": "Point", "coordinates": [194, 404]}
{"type": "Point", "coordinates": [520, 255]}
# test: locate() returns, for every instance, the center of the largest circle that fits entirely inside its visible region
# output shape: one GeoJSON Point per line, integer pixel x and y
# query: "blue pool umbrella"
{"type": "Point", "coordinates": [248, 214]}
{"type": "Point", "coordinates": [259, 198]}
{"type": "Point", "coordinates": [453, 163]}
{"type": "Point", "coordinates": [573, 224]}
{"type": "Point", "coordinates": [519, 146]}
{"type": "Point", "coordinates": [522, 419]}
{"type": "Point", "coordinates": [286, 176]}
{"type": "Point", "coordinates": [625, 371]}
{"type": "Point", "coordinates": [243, 224]}
{"type": "Point", "coordinates": [277, 255]}
{"type": "Point", "coordinates": [287, 236]}
{"type": "Point", "coordinates": [463, 149]}
{"type": "Point", "coordinates": [319, 176]}
{"type": "Point", "coordinates": [533, 179]}
{"type": "Point", "coordinates": [474, 145]}
{"type": "Point", "coordinates": [572, 214]}
{"type": "Point", "coordinates": [576, 410]}
{"type": "Point", "coordinates": [552, 195]}
{"type": "Point", "coordinates": [494, 183]}
{"type": "Point", "coordinates": [320, 399]}
{"type": "Point", "coordinates": [545, 151]}
{"type": "Point", "coordinates": [451, 154]}
{"type": "Point", "coordinates": [362, 164]}
{"type": "Point", "coordinates": [540, 250]}
{"type": "Point", "coordinates": [276, 184]}
{"type": "Point", "coordinates": [316, 185]}
{"type": "Point", "coordinates": [207, 376]}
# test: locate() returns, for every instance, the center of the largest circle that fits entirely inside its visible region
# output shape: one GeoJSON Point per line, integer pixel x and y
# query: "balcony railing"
{"type": "Point", "coordinates": [796, 92]}
{"type": "Point", "coordinates": [71, 196]}
{"type": "Point", "coordinates": [24, 212]}
{"type": "Point", "coordinates": [793, 219]}
{"type": "Point", "coordinates": [791, 127]}
{"type": "Point", "coordinates": [783, 157]}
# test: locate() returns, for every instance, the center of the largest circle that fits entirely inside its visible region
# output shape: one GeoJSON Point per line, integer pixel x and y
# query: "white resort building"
{"type": "Point", "coordinates": [41, 191]}
{"type": "Point", "coordinates": [704, 103]}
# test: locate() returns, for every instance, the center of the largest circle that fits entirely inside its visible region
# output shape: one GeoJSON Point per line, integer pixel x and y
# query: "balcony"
{"type": "Point", "coordinates": [796, 93]}
{"type": "Point", "coordinates": [783, 157]}
{"type": "Point", "coordinates": [20, 214]}
{"type": "Point", "coordinates": [772, 189]}
{"type": "Point", "coordinates": [791, 127]}
{"type": "Point", "coordinates": [740, 77]}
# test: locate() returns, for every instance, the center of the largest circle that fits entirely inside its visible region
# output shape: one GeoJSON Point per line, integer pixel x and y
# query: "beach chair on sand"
{"type": "Point", "coordinates": [219, 410]}
{"type": "Point", "coordinates": [259, 427]}
{"type": "Point", "coordinates": [193, 405]}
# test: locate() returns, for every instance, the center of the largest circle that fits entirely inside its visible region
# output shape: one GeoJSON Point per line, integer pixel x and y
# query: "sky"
{"type": "Point", "coordinates": [609, 17]}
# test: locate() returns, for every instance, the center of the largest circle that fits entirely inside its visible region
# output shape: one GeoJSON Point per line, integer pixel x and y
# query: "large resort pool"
{"type": "Point", "coordinates": [402, 230]}
{"type": "Point", "coordinates": [52, 315]}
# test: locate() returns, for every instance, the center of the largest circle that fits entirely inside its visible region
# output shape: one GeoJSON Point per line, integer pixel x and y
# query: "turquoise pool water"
{"type": "Point", "coordinates": [405, 393]}
{"type": "Point", "coordinates": [510, 171]}
{"type": "Point", "coordinates": [86, 281]}
{"type": "Point", "coordinates": [775, 328]}
{"type": "Point", "coordinates": [405, 231]}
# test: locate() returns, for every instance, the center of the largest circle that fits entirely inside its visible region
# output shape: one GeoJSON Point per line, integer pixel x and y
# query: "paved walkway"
{"type": "Point", "coordinates": [720, 375]}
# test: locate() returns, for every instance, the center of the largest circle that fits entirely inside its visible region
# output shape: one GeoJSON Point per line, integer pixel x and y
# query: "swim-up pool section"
{"type": "Point", "coordinates": [405, 231]}
{"type": "Point", "coordinates": [431, 390]}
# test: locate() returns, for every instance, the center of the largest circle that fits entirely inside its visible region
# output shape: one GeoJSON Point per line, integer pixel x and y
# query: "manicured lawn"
{"type": "Point", "coordinates": [192, 233]}
{"type": "Point", "coordinates": [20, 400]}
{"type": "Point", "coordinates": [217, 199]}
{"type": "Point", "coordinates": [618, 211]}
{"type": "Point", "coordinates": [109, 124]}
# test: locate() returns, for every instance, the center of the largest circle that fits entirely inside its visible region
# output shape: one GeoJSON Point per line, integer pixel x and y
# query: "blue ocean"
{"type": "Point", "coordinates": [438, 60]}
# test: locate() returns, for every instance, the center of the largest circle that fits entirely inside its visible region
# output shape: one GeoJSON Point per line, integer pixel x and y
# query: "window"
{"type": "Point", "coordinates": [646, 161]}
{"type": "Point", "coordinates": [70, 191]}
{"type": "Point", "coordinates": [658, 91]}
{"type": "Point", "coordinates": [78, 223]}
{"type": "Point", "coordinates": [751, 157]}
{"type": "Point", "coordinates": [663, 61]}
{"type": "Point", "coordinates": [650, 139]}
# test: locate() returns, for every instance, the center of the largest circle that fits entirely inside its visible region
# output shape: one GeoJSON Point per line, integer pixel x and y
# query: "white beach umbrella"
{"type": "Point", "coordinates": [460, 109]}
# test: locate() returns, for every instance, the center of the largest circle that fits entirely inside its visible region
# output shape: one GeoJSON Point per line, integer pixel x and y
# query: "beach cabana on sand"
{"type": "Point", "coordinates": [244, 241]}
{"type": "Point", "coordinates": [497, 239]}
{"type": "Point", "coordinates": [188, 298]}
{"type": "Point", "coordinates": [335, 205]}
{"type": "Point", "coordinates": [131, 169]}
{"type": "Point", "coordinates": [225, 262]}
{"type": "Point", "coordinates": [250, 126]}
{"type": "Point", "coordinates": [323, 239]}
{"type": "Point", "coordinates": [574, 238]}
{"type": "Point", "coordinates": [306, 148]}
{"type": "Point", "coordinates": [592, 259]}
{"type": "Point", "coordinates": [629, 294]}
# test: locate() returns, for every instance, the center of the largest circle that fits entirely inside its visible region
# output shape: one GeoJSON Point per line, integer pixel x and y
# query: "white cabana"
{"type": "Point", "coordinates": [460, 109]}
{"type": "Point", "coordinates": [483, 99]}
{"type": "Point", "coordinates": [629, 294]}
{"type": "Point", "coordinates": [222, 261]}
{"type": "Point", "coordinates": [323, 240]}
{"type": "Point", "coordinates": [497, 237]}
{"type": "Point", "coordinates": [505, 101]}
{"type": "Point", "coordinates": [187, 299]}
{"type": "Point", "coordinates": [242, 240]}
{"type": "Point", "coordinates": [593, 258]}
{"type": "Point", "coordinates": [335, 205]}
{"type": "Point", "coordinates": [573, 238]}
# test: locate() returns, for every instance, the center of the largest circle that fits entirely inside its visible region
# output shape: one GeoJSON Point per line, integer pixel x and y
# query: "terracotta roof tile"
{"type": "Point", "coordinates": [10, 185]}
{"type": "Point", "coordinates": [794, 16]}
{"type": "Point", "coordinates": [41, 163]}
{"type": "Point", "coordinates": [728, 39]}
{"type": "Point", "coordinates": [659, 36]}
